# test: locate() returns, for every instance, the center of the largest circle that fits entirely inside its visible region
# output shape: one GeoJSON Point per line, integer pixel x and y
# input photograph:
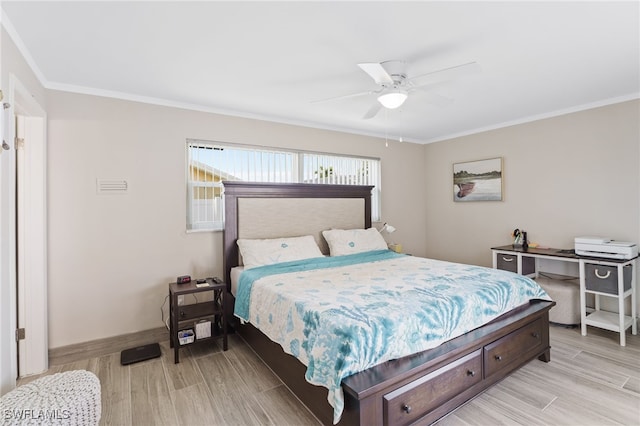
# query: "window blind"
{"type": "Point", "coordinates": [211, 163]}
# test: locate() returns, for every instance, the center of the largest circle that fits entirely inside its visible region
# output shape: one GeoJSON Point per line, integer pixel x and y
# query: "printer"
{"type": "Point", "coordinates": [605, 247]}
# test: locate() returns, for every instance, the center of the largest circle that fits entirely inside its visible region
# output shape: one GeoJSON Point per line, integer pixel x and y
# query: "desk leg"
{"type": "Point", "coordinates": [623, 331]}
{"type": "Point", "coordinates": [173, 329]}
{"type": "Point", "coordinates": [171, 343]}
{"type": "Point", "coordinates": [583, 300]}
{"type": "Point", "coordinates": [634, 299]}
{"type": "Point", "coordinates": [225, 326]}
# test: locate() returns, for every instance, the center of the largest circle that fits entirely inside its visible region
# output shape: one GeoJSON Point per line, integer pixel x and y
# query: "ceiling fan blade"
{"type": "Point", "coordinates": [438, 100]}
{"type": "Point", "coordinates": [445, 74]}
{"type": "Point", "coordinates": [427, 91]}
{"type": "Point", "coordinates": [373, 111]}
{"type": "Point", "coordinates": [377, 72]}
{"type": "Point", "coordinates": [352, 95]}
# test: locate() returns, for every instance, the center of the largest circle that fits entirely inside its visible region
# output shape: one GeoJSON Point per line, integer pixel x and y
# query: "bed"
{"type": "Point", "coordinates": [420, 387]}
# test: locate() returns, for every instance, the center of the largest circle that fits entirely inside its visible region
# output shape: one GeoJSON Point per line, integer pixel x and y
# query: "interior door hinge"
{"type": "Point", "coordinates": [20, 334]}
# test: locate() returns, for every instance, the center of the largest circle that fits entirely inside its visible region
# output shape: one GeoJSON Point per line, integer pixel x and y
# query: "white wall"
{"type": "Point", "coordinates": [567, 176]}
{"type": "Point", "coordinates": [111, 257]}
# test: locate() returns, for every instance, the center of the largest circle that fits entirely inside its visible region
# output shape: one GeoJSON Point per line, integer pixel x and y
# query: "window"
{"type": "Point", "coordinates": [211, 163]}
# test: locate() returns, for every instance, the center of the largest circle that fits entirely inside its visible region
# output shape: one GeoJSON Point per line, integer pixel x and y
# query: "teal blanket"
{"type": "Point", "coordinates": [248, 276]}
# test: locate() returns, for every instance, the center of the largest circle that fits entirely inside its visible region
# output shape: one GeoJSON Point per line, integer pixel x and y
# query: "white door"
{"type": "Point", "coordinates": [31, 243]}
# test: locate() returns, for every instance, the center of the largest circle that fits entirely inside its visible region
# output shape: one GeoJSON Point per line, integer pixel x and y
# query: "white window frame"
{"type": "Point", "coordinates": [259, 165]}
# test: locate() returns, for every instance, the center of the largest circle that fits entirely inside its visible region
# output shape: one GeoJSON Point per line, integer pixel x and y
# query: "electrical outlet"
{"type": "Point", "coordinates": [180, 300]}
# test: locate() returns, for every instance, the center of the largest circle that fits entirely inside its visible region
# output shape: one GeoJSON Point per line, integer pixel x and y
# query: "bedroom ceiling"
{"type": "Point", "coordinates": [271, 60]}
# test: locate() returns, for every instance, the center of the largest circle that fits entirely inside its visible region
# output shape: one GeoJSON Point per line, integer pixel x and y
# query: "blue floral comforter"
{"type": "Point", "coordinates": [341, 315]}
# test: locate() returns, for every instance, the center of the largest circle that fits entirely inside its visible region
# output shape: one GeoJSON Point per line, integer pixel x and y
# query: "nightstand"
{"type": "Point", "coordinates": [188, 323]}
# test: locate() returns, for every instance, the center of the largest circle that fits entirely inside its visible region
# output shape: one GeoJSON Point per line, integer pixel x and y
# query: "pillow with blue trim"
{"type": "Point", "coordinates": [276, 250]}
{"type": "Point", "coordinates": [352, 241]}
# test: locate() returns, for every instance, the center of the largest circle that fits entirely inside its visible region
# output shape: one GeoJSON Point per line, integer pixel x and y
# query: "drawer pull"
{"type": "Point", "coordinates": [471, 373]}
{"type": "Point", "coordinates": [602, 277]}
{"type": "Point", "coordinates": [406, 408]}
{"type": "Point", "coordinates": [498, 357]}
{"type": "Point", "coordinates": [535, 334]}
{"type": "Point", "coordinates": [508, 259]}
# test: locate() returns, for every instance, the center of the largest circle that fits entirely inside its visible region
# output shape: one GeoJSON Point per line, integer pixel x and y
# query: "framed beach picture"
{"type": "Point", "coordinates": [479, 180]}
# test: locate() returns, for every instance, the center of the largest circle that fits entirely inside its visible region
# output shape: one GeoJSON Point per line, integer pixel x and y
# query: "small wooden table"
{"type": "Point", "coordinates": [184, 317]}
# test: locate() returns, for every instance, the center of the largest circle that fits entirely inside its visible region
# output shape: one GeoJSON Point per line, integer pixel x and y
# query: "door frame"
{"type": "Point", "coordinates": [31, 228]}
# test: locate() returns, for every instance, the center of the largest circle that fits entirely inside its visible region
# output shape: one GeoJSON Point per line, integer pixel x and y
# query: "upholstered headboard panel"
{"type": "Point", "coordinates": [258, 210]}
{"type": "Point", "coordinates": [292, 217]}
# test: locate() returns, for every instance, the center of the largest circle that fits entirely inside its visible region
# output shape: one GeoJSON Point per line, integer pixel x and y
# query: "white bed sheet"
{"type": "Point", "coordinates": [235, 278]}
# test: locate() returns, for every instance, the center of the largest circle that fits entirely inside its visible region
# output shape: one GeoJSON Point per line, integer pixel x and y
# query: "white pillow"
{"type": "Point", "coordinates": [275, 250]}
{"type": "Point", "coordinates": [351, 241]}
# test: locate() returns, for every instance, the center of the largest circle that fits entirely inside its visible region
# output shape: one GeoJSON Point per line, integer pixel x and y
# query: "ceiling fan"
{"type": "Point", "coordinates": [395, 86]}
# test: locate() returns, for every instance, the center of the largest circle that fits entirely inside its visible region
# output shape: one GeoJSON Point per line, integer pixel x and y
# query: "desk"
{"type": "Point", "coordinates": [592, 281]}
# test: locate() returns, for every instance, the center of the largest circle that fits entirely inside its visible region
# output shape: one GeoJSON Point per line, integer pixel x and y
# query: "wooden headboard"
{"type": "Point", "coordinates": [267, 210]}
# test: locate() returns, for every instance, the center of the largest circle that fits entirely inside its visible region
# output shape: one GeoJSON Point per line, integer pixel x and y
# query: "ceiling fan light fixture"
{"type": "Point", "coordinates": [393, 99]}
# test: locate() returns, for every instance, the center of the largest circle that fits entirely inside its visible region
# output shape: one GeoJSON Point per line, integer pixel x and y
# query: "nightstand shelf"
{"type": "Point", "coordinates": [184, 317]}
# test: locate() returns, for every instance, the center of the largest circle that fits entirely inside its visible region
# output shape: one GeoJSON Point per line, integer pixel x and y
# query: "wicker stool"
{"type": "Point", "coordinates": [566, 294]}
{"type": "Point", "coordinates": [69, 398]}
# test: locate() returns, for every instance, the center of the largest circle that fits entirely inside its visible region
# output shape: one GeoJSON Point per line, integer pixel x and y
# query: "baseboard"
{"type": "Point", "coordinates": [109, 345]}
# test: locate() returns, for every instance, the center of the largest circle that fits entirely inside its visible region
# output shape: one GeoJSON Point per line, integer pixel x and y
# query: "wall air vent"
{"type": "Point", "coordinates": [111, 186]}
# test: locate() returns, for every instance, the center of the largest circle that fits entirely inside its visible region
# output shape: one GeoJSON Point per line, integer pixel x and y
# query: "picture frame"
{"type": "Point", "coordinates": [479, 180]}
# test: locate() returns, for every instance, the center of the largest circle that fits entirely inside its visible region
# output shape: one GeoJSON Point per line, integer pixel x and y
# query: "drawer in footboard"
{"type": "Point", "coordinates": [513, 349]}
{"type": "Point", "coordinates": [417, 398]}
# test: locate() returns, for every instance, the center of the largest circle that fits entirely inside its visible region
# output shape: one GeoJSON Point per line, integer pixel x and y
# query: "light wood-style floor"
{"type": "Point", "coordinates": [590, 381]}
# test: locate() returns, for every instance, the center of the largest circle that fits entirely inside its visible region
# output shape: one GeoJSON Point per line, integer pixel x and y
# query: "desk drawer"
{"type": "Point", "coordinates": [509, 262]}
{"type": "Point", "coordinates": [415, 399]}
{"type": "Point", "coordinates": [511, 348]}
{"type": "Point", "coordinates": [605, 278]}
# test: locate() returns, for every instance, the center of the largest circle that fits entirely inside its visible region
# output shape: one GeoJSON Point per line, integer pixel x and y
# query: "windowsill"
{"type": "Point", "coordinates": [197, 231]}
